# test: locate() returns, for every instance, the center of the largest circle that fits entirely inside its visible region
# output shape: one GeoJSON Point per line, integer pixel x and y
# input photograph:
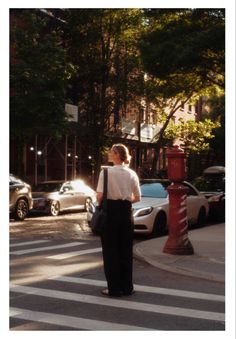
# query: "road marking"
{"type": "Point", "coordinates": [46, 248]}
{"type": "Point", "coordinates": [73, 254]}
{"type": "Point", "coordinates": [132, 305]}
{"type": "Point", "coordinates": [143, 288]}
{"type": "Point", "coordinates": [74, 322]}
{"type": "Point", "coordinates": [29, 243]}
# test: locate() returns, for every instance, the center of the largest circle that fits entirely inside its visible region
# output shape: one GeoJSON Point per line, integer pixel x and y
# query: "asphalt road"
{"type": "Point", "coordinates": [57, 274]}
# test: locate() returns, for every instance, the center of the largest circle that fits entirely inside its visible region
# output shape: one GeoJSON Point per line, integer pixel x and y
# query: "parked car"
{"type": "Point", "coordinates": [20, 198]}
{"type": "Point", "coordinates": [214, 172]}
{"type": "Point", "coordinates": [53, 197]}
{"type": "Point", "coordinates": [151, 214]}
{"type": "Point", "coordinates": [212, 185]}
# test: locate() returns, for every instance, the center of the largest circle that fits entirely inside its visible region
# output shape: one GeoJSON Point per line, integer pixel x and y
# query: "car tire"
{"type": "Point", "coordinates": [54, 208]}
{"type": "Point", "coordinates": [159, 226]}
{"type": "Point", "coordinates": [201, 219]}
{"type": "Point", "coordinates": [21, 210]}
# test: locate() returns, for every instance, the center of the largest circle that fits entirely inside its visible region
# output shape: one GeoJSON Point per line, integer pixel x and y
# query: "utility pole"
{"type": "Point", "coordinates": [65, 160]}
{"type": "Point", "coordinates": [36, 160]}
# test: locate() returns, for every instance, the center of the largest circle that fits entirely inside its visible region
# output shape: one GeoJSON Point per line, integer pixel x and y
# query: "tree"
{"type": "Point", "coordinates": [194, 136]}
{"type": "Point", "coordinates": [183, 51]}
{"type": "Point", "coordinates": [216, 112]}
{"type": "Point", "coordinates": [101, 45]}
{"type": "Point", "coordinates": [37, 77]}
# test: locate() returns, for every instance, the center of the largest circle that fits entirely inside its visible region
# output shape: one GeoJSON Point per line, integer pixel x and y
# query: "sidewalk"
{"type": "Point", "coordinates": [207, 262]}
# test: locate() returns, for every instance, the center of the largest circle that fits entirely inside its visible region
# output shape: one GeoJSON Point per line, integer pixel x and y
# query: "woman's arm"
{"type": "Point", "coordinates": [135, 198]}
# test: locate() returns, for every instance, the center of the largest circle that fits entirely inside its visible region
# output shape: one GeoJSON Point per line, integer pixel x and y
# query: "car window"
{"type": "Point", "coordinates": [191, 191]}
{"type": "Point", "coordinates": [66, 188]}
{"type": "Point", "coordinates": [47, 187]}
{"type": "Point", "coordinates": [154, 190]}
{"type": "Point", "coordinates": [210, 185]}
{"type": "Point", "coordinates": [80, 186]}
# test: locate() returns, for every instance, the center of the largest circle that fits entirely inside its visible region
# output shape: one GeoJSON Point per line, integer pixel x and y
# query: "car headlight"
{"type": "Point", "coordinates": [143, 211]}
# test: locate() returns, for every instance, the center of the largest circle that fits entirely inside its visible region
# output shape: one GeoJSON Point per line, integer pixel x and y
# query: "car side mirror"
{"type": "Point", "coordinates": [64, 189]}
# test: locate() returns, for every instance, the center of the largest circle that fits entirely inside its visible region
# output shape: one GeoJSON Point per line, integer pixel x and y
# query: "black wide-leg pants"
{"type": "Point", "coordinates": [117, 247]}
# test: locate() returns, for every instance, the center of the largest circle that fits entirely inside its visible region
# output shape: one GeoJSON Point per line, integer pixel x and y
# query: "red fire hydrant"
{"type": "Point", "coordinates": [177, 242]}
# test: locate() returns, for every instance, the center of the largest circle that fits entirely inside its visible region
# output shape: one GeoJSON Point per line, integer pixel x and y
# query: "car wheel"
{"type": "Point", "coordinates": [87, 204]}
{"type": "Point", "coordinates": [159, 227]}
{"type": "Point", "coordinates": [54, 209]}
{"type": "Point", "coordinates": [201, 219]}
{"type": "Point", "coordinates": [21, 210]}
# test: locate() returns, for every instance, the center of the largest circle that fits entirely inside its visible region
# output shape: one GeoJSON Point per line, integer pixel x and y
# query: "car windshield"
{"type": "Point", "coordinates": [154, 190]}
{"type": "Point", "coordinates": [48, 187]}
{"type": "Point", "coordinates": [80, 186]}
{"type": "Point", "coordinates": [210, 185]}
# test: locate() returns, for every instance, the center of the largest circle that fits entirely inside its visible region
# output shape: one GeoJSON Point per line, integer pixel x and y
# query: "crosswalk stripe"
{"type": "Point", "coordinates": [46, 248]}
{"type": "Point", "coordinates": [73, 322]}
{"type": "Point", "coordinates": [143, 288]}
{"type": "Point", "coordinates": [29, 243]}
{"type": "Point", "coordinates": [73, 254]}
{"type": "Point", "coordinates": [132, 305]}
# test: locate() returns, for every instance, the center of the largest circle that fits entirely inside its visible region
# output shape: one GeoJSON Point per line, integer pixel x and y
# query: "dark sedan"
{"type": "Point", "coordinates": [52, 197]}
{"type": "Point", "coordinates": [213, 187]}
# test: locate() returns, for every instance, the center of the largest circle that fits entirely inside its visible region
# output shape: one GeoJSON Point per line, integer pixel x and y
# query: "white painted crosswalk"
{"type": "Point", "coordinates": [46, 248]}
{"type": "Point", "coordinates": [147, 289]}
{"type": "Point", "coordinates": [72, 289]}
{"type": "Point", "coordinates": [72, 322]}
{"type": "Point", "coordinates": [24, 243]}
{"type": "Point", "coordinates": [131, 305]}
{"type": "Point", "coordinates": [63, 256]}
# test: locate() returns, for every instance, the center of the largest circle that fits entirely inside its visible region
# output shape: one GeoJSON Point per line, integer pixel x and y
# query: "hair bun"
{"type": "Point", "coordinates": [123, 152]}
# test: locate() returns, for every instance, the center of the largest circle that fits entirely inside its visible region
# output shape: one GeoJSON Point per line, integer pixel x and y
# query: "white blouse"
{"type": "Point", "coordinates": [123, 182]}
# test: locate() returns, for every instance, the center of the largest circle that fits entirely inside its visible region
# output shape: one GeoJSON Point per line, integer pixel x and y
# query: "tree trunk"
{"type": "Point", "coordinates": [159, 142]}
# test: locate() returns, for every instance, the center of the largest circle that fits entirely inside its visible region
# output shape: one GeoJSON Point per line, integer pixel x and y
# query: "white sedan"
{"type": "Point", "coordinates": [151, 214]}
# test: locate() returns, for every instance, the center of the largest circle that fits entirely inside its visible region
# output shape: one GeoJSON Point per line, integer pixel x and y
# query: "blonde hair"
{"type": "Point", "coordinates": [123, 152]}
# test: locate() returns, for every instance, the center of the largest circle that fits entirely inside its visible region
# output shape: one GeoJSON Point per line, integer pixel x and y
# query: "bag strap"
{"type": "Point", "coordinates": [105, 180]}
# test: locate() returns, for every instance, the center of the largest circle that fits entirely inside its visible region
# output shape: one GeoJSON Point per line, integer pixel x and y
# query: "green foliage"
{"type": "Point", "coordinates": [38, 74]}
{"type": "Point", "coordinates": [183, 52]}
{"type": "Point", "coordinates": [193, 135]}
{"type": "Point", "coordinates": [102, 46]}
{"type": "Point", "coordinates": [97, 58]}
{"type": "Point", "coordinates": [216, 112]}
{"type": "Point", "coordinates": [185, 49]}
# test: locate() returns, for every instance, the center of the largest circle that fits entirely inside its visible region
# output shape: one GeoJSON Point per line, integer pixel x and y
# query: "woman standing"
{"type": "Point", "coordinates": [117, 241]}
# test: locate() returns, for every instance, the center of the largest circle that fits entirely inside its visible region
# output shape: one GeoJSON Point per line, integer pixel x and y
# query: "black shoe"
{"type": "Point", "coordinates": [129, 293]}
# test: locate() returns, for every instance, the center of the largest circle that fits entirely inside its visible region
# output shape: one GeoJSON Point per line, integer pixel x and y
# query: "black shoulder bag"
{"type": "Point", "coordinates": [99, 219]}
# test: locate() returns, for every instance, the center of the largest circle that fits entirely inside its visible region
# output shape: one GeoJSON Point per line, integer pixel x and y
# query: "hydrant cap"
{"type": "Point", "coordinates": [175, 151]}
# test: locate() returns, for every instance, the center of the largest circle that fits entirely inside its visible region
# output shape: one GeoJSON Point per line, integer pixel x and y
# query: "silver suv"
{"type": "Point", "coordinates": [20, 198]}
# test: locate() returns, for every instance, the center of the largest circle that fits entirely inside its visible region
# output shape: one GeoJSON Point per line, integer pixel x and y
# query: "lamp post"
{"type": "Point", "coordinates": [36, 161]}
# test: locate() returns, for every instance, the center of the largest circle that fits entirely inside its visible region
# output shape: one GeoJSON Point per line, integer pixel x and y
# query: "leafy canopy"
{"type": "Point", "coordinates": [185, 49]}
{"type": "Point", "coordinates": [38, 74]}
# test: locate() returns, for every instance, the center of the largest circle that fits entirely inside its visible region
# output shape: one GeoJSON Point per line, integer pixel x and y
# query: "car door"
{"type": "Point", "coordinates": [193, 203]}
{"type": "Point", "coordinates": [79, 194]}
{"type": "Point", "coordinates": [67, 196]}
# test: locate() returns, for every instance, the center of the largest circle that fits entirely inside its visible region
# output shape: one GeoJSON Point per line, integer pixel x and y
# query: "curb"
{"type": "Point", "coordinates": [187, 272]}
